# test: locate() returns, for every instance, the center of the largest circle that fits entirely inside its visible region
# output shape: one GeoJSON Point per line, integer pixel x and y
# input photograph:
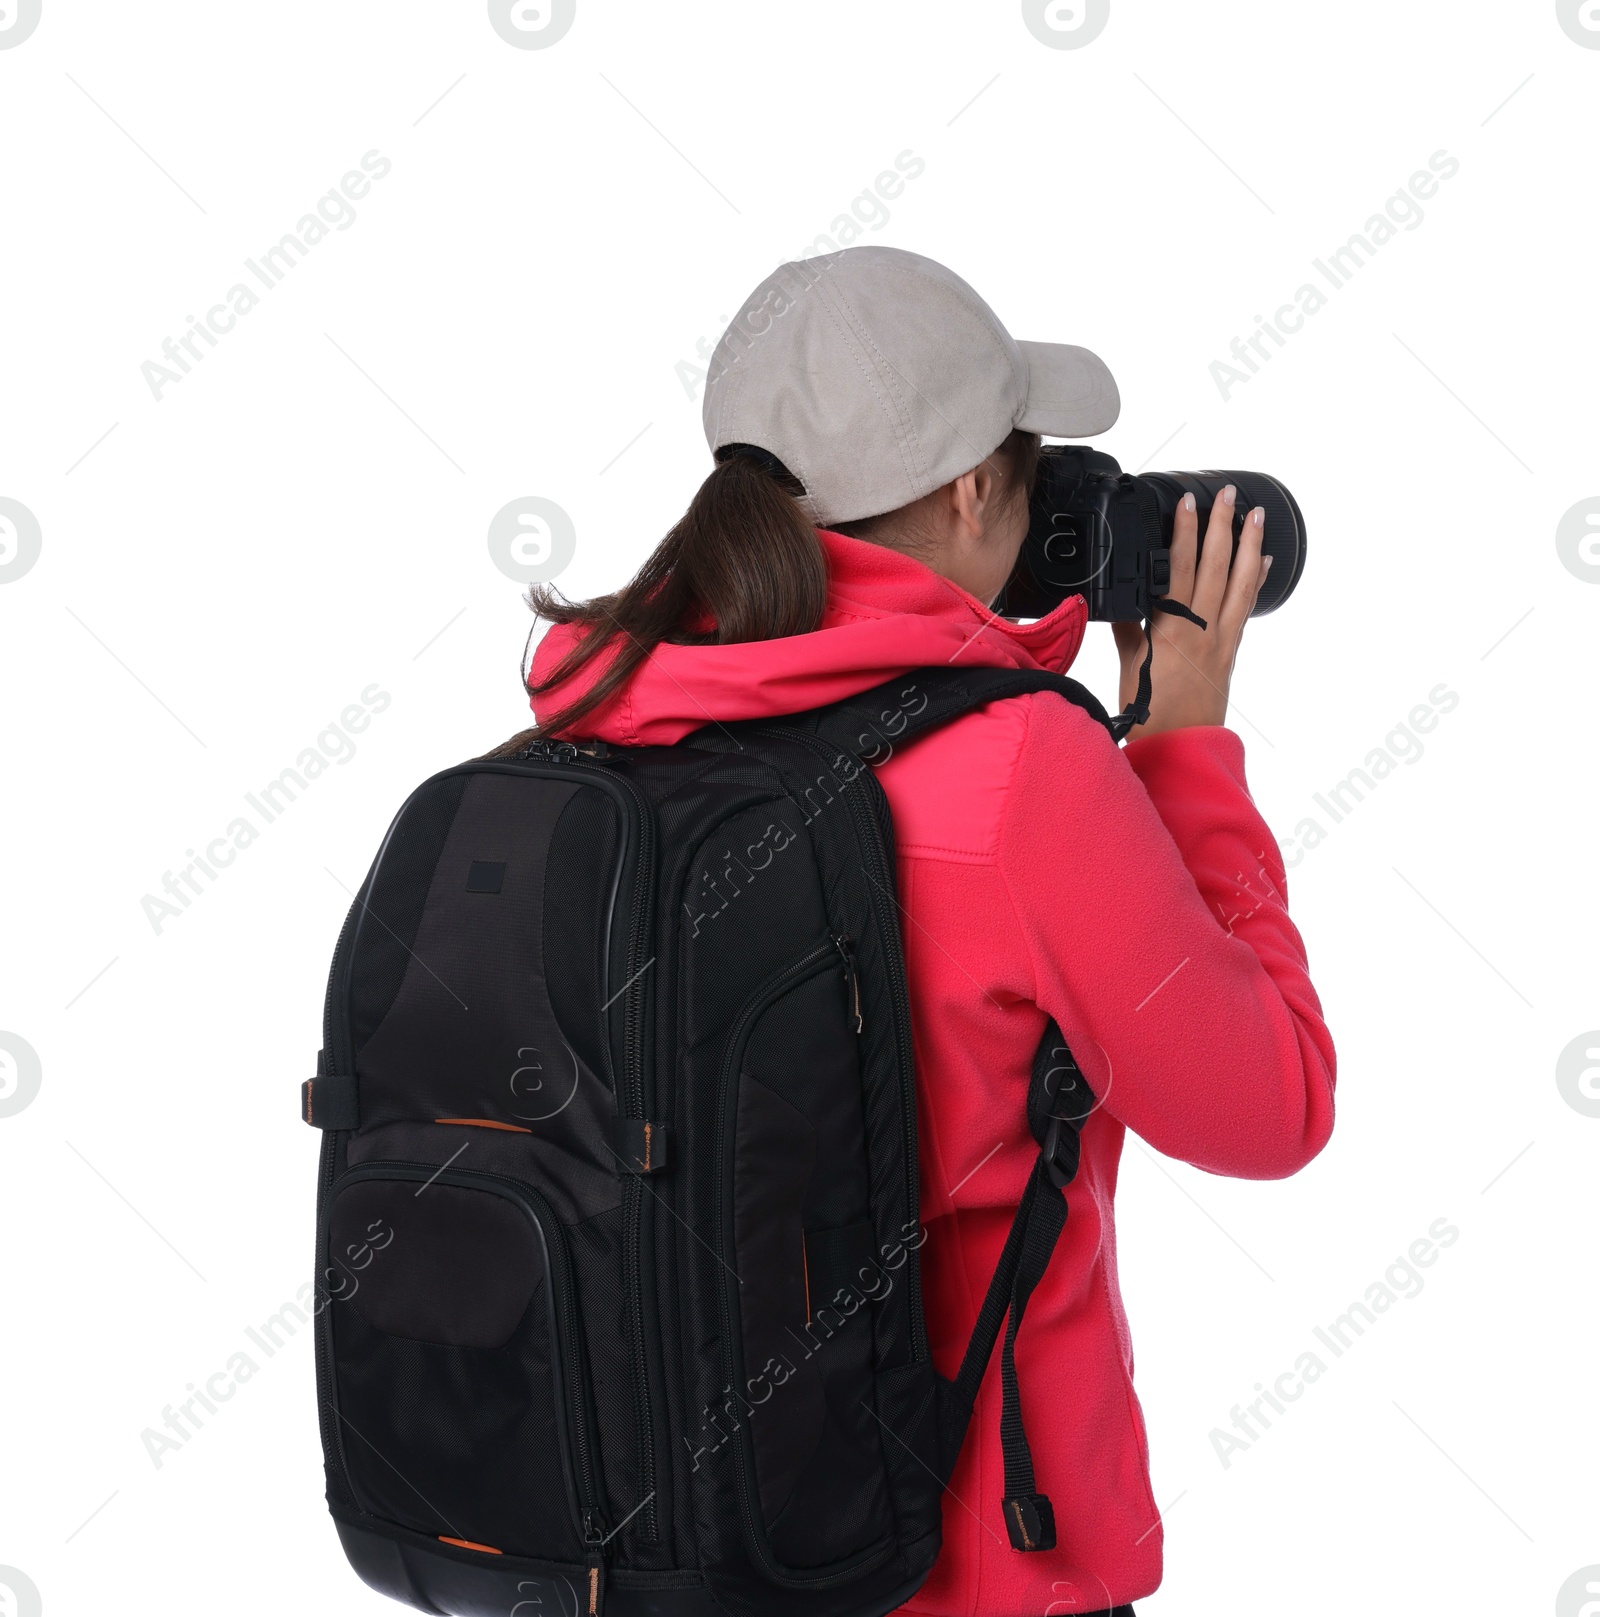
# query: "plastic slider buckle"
{"type": "Point", "coordinates": [1061, 1150]}
{"type": "Point", "coordinates": [1030, 1522]}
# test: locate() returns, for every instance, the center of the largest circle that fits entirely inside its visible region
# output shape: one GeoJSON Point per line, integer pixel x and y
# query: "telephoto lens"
{"type": "Point", "coordinates": [1097, 531]}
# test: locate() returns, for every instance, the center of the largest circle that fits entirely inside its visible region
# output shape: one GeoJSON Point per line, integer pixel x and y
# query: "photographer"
{"type": "Point", "coordinates": [877, 434]}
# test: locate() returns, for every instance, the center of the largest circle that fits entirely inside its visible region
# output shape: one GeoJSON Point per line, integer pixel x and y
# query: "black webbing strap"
{"type": "Point", "coordinates": [1138, 710]}
{"type": "Point", "coordinates": [1030, 1517]}
{"type": "Point", "coordinates": [1059, 1099]}
{"type": "Point", "coordinates": [871, 724]}
{"type": "Point", "coordinates": [331, 1101]}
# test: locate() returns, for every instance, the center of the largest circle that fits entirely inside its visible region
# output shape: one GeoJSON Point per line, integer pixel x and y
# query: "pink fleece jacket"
{"type": "Point", "coordinates": [1133, 894]}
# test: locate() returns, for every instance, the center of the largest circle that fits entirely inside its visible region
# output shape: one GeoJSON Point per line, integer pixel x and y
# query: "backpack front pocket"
{"type": "Point", "coordinates": [798, 1280]}
{"type": "Point", "coordinates": [460, 1389]}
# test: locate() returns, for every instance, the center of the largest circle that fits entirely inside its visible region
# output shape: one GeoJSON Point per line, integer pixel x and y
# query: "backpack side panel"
{"type": "Point", "coordinates": [471, 1318]}
{"type": "Point", "coordinates": [811, 1397]}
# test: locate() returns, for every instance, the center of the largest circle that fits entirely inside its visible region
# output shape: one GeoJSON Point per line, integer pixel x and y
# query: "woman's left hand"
{"type": "Point", "coordinates": [1192, 667]}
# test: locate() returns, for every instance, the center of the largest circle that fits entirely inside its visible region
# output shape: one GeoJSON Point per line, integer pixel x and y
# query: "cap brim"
{"type": "Point", "coordinates": [1071, 393]}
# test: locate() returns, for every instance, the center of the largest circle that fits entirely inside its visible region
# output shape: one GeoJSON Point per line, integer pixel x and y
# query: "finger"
{"type": "Point", "coordinates": [1238, 637]}
{"type": "Point", "coordinates": [1244, 581]}
{"type": "Point", "coordinates": [1261, 584]}
{"type": "Point", "coordinates": [1211, 573]}
{"type": "Point", "coordinates": [1185, 528]}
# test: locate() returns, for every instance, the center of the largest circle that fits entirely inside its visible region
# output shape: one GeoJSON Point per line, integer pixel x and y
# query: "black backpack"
{"type": "Point", "coordinates": [618, 1289]}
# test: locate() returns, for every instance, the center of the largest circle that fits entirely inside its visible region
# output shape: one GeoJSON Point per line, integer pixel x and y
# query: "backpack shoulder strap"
{"type": "Point", "coordinates": [869, 727]}
{"type": "Point", "coordinates": [872, 723]}
{"type": "Point", "coordinates": [1059, 1102]}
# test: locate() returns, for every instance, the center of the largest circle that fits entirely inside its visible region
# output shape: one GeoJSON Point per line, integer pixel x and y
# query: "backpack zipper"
{"type": "Point", "coordinates": [881, 892]}
{"type": "Point", "coordinates": [594, 1563]}
{"type": "Point", "coordinates": [765, 996]}
{"type": "Point", "coordinates": [841, 942]}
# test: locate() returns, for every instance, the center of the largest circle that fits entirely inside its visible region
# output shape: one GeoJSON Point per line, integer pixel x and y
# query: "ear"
{"type": "Point", "coordinates": [971, 500]}
{"type": "Point", "coordinates": [986, 486]}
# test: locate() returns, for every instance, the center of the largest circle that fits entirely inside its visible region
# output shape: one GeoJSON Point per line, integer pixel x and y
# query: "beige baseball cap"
{"type": "Point", "coordinates": [877, 376]}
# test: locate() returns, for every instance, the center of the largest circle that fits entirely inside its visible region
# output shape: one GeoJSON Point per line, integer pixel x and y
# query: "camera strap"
{"type": "Point", "coordinates": [1138, 710]}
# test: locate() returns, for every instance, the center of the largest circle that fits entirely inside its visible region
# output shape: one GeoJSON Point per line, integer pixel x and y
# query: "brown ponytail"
{"type": "Point", "coordinates": [742, 563]}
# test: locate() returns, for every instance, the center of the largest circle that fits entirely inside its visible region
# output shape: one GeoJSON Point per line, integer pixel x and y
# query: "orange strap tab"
{"type": "Point", "coordinates": [483, 1123]}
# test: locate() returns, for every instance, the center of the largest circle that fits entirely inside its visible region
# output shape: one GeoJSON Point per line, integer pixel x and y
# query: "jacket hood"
{"type": "Point", "coordinates": [886, 613]}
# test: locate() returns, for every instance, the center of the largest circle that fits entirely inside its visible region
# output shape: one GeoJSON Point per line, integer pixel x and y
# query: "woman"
{"type": "Point", "coordinates": [876, 431]}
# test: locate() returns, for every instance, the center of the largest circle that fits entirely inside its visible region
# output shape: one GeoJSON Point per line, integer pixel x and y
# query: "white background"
{"type": "Point", "coordinates": [305, 515]}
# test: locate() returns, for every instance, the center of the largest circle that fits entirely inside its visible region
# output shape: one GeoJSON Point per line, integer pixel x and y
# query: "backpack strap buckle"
{"type": "Point", "coordinates": [1061, 1151]}
{"type": "Point", "coordinates": [1059, 1103]}
{"type": "Point", "coordinates": [1030, 1521]}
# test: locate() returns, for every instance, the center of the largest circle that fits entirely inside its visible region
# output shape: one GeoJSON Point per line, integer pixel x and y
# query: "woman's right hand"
{"type": "Point", "coordinates": [1192, 667]}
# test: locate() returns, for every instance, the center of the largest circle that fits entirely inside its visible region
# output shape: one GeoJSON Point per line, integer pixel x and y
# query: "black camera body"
{"type": "Point", "coordinates": [1105, 534]}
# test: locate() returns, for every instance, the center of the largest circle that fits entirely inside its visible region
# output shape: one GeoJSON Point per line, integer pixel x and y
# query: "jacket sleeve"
{"type": "Point", "coordinates": [1151, 899]}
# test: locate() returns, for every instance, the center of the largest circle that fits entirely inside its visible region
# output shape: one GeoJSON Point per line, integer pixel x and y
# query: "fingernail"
{"type": "Point", "coordinates": [1266, 565]}
{"type": "Point", "coordinates": [1259, 515]}
{"type": "Point", "coordinates": [1188, 502]}
{"type": "Point", "coordinates": [1229, 494]}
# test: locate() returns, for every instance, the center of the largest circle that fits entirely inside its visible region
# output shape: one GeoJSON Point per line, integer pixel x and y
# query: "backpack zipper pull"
{"type": "Point", "coordinates": [552, 752]}
{"type": "Point", "coordinates": [847, 953]}
{"type": "Point", "coordinates": [594, 1562]}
